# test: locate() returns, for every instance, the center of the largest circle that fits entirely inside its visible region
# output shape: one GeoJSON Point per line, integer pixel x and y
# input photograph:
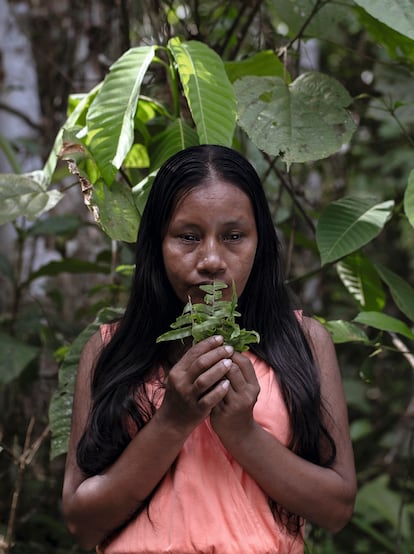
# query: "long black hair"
{"type": "Point", "coordinates": [132, 355]}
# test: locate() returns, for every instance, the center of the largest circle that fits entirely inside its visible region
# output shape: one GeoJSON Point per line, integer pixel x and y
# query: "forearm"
{"type": "Point", "coordinates": [320, 495]}
{"type": "Point", "coordinates": [103, 503]}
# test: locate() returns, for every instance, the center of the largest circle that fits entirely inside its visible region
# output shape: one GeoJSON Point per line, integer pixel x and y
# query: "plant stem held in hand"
{"type": "Point", "coordinates": [214, 317]}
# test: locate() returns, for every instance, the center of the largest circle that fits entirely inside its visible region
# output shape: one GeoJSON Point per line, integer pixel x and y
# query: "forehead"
{"type": "Point", "coordinates": [214, 194]}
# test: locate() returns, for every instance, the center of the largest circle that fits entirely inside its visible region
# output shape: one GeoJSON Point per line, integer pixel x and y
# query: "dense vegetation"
{"type": "Point", "coordinates": [319, 94]}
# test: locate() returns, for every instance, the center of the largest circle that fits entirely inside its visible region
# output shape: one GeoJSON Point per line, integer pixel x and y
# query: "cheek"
{"type": "Point", "coordinates": [173, 261]}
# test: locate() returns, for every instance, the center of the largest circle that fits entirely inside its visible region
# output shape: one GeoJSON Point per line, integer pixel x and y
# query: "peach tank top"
{"type": "Point", "coordinates": [208, 504]}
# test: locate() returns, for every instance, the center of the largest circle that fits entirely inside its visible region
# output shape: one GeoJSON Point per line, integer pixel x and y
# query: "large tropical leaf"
{"type": "Point", "coordinates": [348, 224]}
{"type": "Point", "coordinates": [384, 322]}
{"type": "Point", "coordinates": [399, 46]}
{"type": "Point", "coordinates": [345, 331]}
{"type": "Point", "coordinates": [15, 355]}
{"type": "Point", "coordinates": [261, 64]}
{"type": "Point", "coordinates": [383, 504]}
{"type": "Point", "coordinates": [409, 199]}
{"type": "Point", "coordinates": [397, 14]}
{"type": "Point", "coordinates": [174, 138]}
{"type": "Point", "coordinates": [401, 291]}
{"type": "Point", "coordinates": [117, 212]}
{"type": "Point", "coordinates": [110, 118]}
{"type": "Point", "coordinates": [25, 195]}
{"type": "Point", "coordinates": [68, 265]}
{"type": "Point", "coordinates": [208, 91]}
{"type": "Point", "coordinates": [77, 107]}
{"type": "Point", "coordinates": [60, 409]}
{"type": "Point", "coordinates": [361, 280]}
{"type": "Point", "coordinates": [300, 16]}
{"type": "Point", "coordinates": [302, 121]}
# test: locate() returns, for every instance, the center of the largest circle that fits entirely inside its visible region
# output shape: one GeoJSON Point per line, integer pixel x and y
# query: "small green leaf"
{"type": "Point", "coordinates": [384, 322]}
{"type": "Point", "coordinates": [215, 316]}
{"type": "Point", "coordinates": [409, 199]}
{"type": "Point", "coordinates": [401, 291]}
{"type": "Point", "coordinates": [361, 280]}
{"type": "Point", "coordinates": [345, 331]}
{"type": "Point", "coordinates": [360, 428]}
{"type": "Point", "coordinates": [137, 157]}
{"type": "Point", "coordinates": [348, 224]}
{"type": "Point", "coordinates": [261, 64]}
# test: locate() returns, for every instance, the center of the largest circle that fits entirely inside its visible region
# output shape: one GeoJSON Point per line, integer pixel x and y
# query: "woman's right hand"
{"type": "Point", "coordinates": [197, 383]}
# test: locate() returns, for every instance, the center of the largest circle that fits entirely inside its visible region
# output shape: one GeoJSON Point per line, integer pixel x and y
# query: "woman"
{"type": "Point", "coordinates": [196, 448]}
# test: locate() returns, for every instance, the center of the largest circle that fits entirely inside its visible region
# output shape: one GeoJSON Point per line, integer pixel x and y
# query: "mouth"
{"type": "Point", "coordinates": [197, 295]}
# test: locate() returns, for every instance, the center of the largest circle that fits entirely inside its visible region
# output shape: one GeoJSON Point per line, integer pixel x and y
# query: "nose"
{"type": "Point", "coordinates": [211, 261]}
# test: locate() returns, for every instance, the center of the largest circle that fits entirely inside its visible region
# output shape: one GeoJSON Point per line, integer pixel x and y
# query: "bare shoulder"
{"type": "Point", "coordinates": [88, 358]}
{"type": "Point", "coordinates": [324, 353]}
{"type": "Point", "coordinates": [318, 336]}
{"type": "Point", "coordinates": [315, 329]}
{"type": "Point", "coordinates": [90, 352]}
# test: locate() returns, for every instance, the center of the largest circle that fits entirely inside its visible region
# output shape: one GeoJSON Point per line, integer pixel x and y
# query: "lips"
{"type": "Point", "coordinates": [197, 296]}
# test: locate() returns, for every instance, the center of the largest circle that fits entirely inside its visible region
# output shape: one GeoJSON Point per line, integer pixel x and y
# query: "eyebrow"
{"type": "Point", "coordinates": [228, 223]}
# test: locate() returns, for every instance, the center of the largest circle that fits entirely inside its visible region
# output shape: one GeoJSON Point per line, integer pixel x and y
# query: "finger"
{"type": "Point", "coordinates": [199, 359]}
{"type": "Point", "coordinates": [245, 366]}
{"type": "Point", "coordinates": [236, 378]}
{"type": "Point", "coordinates": [207, 380]}
{"type": "Point", "coordinates": [215, 395]}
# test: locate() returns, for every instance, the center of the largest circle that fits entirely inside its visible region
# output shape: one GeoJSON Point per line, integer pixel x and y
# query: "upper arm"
{"type": "Point", "coordinates": [80, 411]}
{"type": "Point", "coordinates": [335, 415]}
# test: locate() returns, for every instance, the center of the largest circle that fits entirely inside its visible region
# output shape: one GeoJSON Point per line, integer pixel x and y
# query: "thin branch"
{"type": "Point", "coordinates": [221, 49]}
{"type": "Point", "coordinates": [406, 424]}
{"type": "Point", "coordinates": [22, 461]}
{"type": "Point", "coordinates": [22, 116]}
{"type": "Point", "coordinates": [318, 6]}
{"type": "Point", "coordinates": [244, 29]}
{"type": "Point", "coordinates": [287, 185]}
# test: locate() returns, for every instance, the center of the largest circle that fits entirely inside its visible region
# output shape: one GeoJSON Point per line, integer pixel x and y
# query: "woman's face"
{"type": "Point", "coordinates": [211, 236]}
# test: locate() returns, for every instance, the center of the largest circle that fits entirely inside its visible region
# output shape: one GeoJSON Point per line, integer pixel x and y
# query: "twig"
{"type": "Point", "coordinates": [22, 461]}
{"type": "Point", "coordinates": [286, 184]}
{"type": "Point", "coordinates": [406, 423]}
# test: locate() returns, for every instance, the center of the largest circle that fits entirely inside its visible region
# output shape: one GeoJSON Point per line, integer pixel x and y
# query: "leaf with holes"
{"type": "Point", "coordinates": [302, 121]}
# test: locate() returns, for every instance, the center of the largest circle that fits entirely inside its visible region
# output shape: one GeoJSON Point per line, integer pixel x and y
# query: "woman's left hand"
{"type": "Point", "coordinates": [233, 416]}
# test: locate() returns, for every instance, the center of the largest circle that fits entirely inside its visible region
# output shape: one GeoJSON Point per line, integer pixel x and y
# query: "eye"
{"type": "Point", "coordinates": [233, 236]}
{"type": "Point", "coordinates": [189, 237]}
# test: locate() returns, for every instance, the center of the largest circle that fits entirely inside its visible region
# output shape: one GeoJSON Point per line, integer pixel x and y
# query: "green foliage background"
{"type": "Point", "coordinates": [334, 145]}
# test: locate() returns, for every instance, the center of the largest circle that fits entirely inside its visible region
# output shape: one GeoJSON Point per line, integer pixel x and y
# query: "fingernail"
{"type": "Point", "coordinates": [225, 384]}
{"type": "Point", "coordinates": [227, 362]}
{"type": "Point", "coordinates": [229, 349]}
{"type": "Point", "coordinates": [218, 339]}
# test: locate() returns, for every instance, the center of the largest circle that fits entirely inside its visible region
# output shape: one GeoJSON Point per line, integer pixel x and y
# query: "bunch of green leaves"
{"type": "Point", "coordinates": [214, 317]}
